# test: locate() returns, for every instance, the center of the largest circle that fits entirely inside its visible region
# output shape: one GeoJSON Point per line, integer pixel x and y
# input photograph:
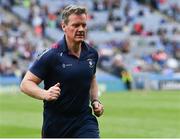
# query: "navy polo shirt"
{"type": "Point", "coordinates": [74, 75]}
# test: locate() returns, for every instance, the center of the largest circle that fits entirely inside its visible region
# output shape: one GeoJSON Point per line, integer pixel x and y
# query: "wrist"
{"type": "Point", "coordinates": [44, 95]}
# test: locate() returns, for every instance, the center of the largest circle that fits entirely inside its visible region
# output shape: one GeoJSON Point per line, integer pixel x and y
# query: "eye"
{"type": "Point", "coordinates": [78, 25]}
{"type": "Point", "coordinates": [83, 25]}
{"type": "Point", "coordinates": [75, 25]}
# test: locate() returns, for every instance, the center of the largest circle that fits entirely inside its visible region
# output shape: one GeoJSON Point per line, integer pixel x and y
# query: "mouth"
{"type": "Point", "coordinates": [81, 35]}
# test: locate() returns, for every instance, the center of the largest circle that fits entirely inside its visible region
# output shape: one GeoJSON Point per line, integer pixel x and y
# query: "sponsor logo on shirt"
{"type": "Point", "coordinates": [66, 65]}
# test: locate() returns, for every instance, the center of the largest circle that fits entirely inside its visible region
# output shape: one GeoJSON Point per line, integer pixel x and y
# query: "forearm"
{"type": "Point", "coordinates": [94, 89]}
{"type": "Point", "coordinates": [32, 89]}
{"type": "Point", "coordinates": [95, 103]}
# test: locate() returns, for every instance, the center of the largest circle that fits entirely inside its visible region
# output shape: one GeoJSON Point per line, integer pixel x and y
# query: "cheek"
{"type": "Point", "coordinates": [71, 30]}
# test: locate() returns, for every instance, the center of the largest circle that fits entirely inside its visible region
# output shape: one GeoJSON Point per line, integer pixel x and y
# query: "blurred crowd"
{"type": "Point", "coordinates": [18, 46]}
{"type": "Point", "coordinates": [138, 36]}
{"type": "Point", "coordinates": [170, 8]}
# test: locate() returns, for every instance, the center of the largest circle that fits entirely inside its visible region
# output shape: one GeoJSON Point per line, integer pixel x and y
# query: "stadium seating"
{"type": "Point", "coordinates": [130, 29]}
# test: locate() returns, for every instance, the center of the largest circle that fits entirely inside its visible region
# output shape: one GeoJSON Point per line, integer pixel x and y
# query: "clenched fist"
{"type": "Point", "coordinates": [98, 108]}
{"type": "Point", "coordinates": [53, 93]}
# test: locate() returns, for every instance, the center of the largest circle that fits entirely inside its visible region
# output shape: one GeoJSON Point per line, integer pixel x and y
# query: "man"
{"type": "Point", "coordinates": [68, 71]}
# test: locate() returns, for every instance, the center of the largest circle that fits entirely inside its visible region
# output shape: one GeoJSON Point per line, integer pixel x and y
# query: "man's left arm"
{"type": "Point", "coordinates": [95, 103]}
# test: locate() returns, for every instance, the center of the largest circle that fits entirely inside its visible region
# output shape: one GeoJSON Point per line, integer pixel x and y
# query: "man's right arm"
{"type": "Point", "coordinates": [29, 86]}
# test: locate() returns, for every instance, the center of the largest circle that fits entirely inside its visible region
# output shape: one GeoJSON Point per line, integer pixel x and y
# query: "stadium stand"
{"type": "Point", "coordinates": [139, 37]}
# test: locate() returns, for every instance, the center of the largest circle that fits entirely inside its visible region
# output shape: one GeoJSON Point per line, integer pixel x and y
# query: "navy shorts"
{"type": "Point", "coordinates": [84, 126]}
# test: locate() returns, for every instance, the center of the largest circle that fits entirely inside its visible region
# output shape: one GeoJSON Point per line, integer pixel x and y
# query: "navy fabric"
{"type": "Point", "coordinates": [62, 117]}
{"type": "Point", "coordinates": [66, 126]}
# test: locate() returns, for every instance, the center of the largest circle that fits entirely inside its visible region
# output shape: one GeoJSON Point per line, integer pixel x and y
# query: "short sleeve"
{"type": "Point", "coordinates": [42, 64]}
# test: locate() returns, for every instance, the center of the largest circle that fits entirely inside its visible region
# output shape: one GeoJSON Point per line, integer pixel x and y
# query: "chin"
{"type": "Point", "coordinates": [79, 40]}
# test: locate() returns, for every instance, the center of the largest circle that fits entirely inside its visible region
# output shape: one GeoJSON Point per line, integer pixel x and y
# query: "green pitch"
{"type": "Point", "coordinates": [133, 114]}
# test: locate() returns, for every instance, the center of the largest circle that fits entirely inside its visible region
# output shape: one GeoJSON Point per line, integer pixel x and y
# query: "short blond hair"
{"type": "Point", "coordinates": [72, 9]}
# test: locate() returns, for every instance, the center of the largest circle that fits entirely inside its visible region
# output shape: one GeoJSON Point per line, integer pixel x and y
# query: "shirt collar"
{"type": "Point", "coordinates": [64, 48]}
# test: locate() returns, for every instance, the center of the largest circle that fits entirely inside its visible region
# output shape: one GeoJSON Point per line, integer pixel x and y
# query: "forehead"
{"type": "Point", "coordinates": [77, 18]}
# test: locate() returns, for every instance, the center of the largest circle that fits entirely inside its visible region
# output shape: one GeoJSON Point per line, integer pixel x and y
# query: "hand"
{"type": "Point", "coordinates": [98, 108]}
{"type": "Point", "coordinates": [52, 93]}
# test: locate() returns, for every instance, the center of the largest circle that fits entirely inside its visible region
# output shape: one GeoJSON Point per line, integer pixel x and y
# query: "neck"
{"type": "Point", "coordinates": [74, 48]}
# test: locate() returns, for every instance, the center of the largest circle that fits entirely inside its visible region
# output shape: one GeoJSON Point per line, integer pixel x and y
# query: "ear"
{"type": "Point", "coordinates": [63, 26]}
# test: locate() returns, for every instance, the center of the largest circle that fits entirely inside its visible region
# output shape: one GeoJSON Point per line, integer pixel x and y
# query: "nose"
{"type": "Point", "coordinates": [81, 28]}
